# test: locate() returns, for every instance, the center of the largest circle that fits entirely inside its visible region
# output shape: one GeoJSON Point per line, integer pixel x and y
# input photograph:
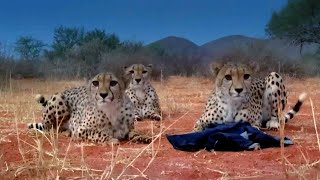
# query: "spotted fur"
{"type": "Point", "coordinates": [141, 93]}
{"type": "Point", "coordinates": [99, 112]}
{"type": "Point", "coordinates": [238, 96]}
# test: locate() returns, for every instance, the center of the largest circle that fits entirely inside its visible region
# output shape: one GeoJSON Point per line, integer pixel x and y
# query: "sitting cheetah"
{"type": "Point", "coordinates": [99, 112]}
{"type": "Point", "coordinates": [141, 92]}
{"type": "Point", "coordinates": [239, 96]}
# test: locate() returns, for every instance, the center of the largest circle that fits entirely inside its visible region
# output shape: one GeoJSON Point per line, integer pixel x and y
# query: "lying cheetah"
{"type": "Point", "coordinates": [141, 92]}
{"type": "Point", "coordinates": [99, 112]}
{"type": "Point", "coordinates": [238, 96]}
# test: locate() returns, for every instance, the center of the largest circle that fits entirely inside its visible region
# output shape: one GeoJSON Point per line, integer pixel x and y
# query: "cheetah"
{"type": "Point", "coordinates": [238, 96]}
{"type": "Point", "coordinates": [98, 112]}
{"type": "Point", "coordinates": [141, 93]}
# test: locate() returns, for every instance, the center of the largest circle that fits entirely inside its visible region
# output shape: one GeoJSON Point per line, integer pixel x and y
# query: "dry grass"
{"type": "Point", "coordinates": [174, 100]}
{"type": "Point", "coordinates": [289, 168]}
{"type": "Point", "coordinates": [49, 156]}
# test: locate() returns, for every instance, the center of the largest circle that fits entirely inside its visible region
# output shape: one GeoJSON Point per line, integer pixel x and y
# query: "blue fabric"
{"type": "Point", "coordinates": [226, 137]}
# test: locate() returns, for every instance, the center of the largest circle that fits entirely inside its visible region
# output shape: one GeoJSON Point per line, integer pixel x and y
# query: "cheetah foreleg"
{"type": "Point", "coordinates": [138, 138]}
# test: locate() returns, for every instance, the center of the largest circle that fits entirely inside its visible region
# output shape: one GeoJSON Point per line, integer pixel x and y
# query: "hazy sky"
{"type": "Point", "coordinates": [144, 20]}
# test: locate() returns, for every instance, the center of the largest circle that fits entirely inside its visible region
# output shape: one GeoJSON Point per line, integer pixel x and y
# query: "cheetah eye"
{"type": "Point", "coordinates": [95, 83]}
{"type": "Point", "coordinates": [131, 71]}
{"type": "Point", "coordinates": [228, 77]}
{"type": "Point", "coordinates": [143, 72]}
{"type": "Point", "coordinates": [246, 76]}
{"type": "Point", "coordinates": [113, 83]}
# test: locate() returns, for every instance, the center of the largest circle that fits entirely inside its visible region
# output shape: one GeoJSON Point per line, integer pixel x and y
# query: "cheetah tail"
{"type": "Point", "coordinates": [296, 107]}
{"type": "Point", "coordinates": [38, 126]}
{"type": "Point", "coordinates": [40, 99]}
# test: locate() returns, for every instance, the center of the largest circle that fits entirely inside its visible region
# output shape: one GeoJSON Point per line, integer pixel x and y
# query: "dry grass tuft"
{"type": "Point", "coordinates": [288, 167]}
{"type": "Point", "coordinates": [173, 100]}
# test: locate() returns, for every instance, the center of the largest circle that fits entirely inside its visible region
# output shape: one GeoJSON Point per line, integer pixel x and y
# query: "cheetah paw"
{"type": "Point", "coordinates": [255, 146]}
{"type": "Point", "coordinates": [156, 117]}
{"type": "Point", "coordinates": [114, 141]}
{"type": "Point", "coordinates": [137, 138]}
{"type": "Point", "coordinates": [66, 133]}
{"type": "Point", "coordinates": [142, 139]}
{"type": "Point", "coordinates": [256, 125]}
{"type": "Point", "coordinates": [273, 125]}
{"type": "Point", "coordinates": [137, 118]}
{"type": "Point", "coordinates": [197, 127]}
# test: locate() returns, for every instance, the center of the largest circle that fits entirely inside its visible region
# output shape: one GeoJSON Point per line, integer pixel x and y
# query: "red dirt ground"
{"type": "Point", "coordinates": [303, 157]}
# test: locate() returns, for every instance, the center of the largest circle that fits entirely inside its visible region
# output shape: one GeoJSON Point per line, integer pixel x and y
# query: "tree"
{"type": "Point", "coordinates": [91, 48]}
{"type": "Point", "coordinates": [66, 38]}
{"type": "Point", "coordinates": [28, 48]}
{"type": "Point", "coordinates": [109, 41]}
{"type": "Point", "coordinates": [113, 41]}
{"type": "Point", "coordinates": [298, 21]}
{"type": "Point", "coordinates": [131, 46]}
{"type": "Point", "coordinates": [5, 51]}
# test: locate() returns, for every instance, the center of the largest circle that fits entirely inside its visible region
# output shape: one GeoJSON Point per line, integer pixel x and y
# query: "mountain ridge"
{"type": "Point", "coordinates": [229, 44]}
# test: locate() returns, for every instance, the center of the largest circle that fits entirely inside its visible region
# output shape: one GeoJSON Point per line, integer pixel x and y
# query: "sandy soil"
{"type": "Point", "coordinates": [25, 154]}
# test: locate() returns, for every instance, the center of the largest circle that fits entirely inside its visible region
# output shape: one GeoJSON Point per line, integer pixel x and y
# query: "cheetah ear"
{"type": "Point", "coordinates": [125, 79]}
{"type": "Point", "coordinates": [124, 67]}
{"type": "Point", "coordinates": [125, 76]}
{"type": "Point", "coordinates": [123, 83]}
{"type": "Point", "coordinates": [216, 67]}
{"type": "Point", "coordinates": [88, 84]}
{"type": "Point", "coordinates": [125, 71]}
{"type": "Point", "coordinates": [149, 67]}
{"type": "Point", "coordinates": [254, 66]}
{"type": "Point", "coordinates": [86, 80]}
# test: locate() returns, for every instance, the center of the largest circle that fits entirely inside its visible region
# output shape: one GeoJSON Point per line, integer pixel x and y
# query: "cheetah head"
{"type": "Point", "coordinates": [105, 88]}
{"type": "Point", "coordinates": [233, 80]}
{"type": "Point", "coordinates": [137, 75]}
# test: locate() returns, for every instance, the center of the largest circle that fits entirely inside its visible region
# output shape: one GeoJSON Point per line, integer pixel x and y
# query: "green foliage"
{"type": "Point", "coordinates": [28, 48]}
{"type": "Point", "coordinates": [103, 41]}
{"type": "Point", "coordinates": [131, 46]}
{"type": "Point", "coordinates": [66, 38]}
{"type": "Point", "coordinates": [96, 34]}
{"type": "Point", "coordinates": [109, 41]}
{"type": "Point", "coordinates": [70, 39]}
{"type": "Point", "coordinates": [298, 21]}
{"type": "Point", "coordinates": [113, 41]}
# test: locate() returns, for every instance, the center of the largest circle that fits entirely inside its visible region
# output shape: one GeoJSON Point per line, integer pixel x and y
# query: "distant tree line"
{"type": "Point", "coordinates": [77, 53]}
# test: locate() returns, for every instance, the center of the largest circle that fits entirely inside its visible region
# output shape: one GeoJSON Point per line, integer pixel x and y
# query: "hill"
{"type": "Point", "coordinates": [231, 44]}
{"type": "Point", "coordinates": [176, 45]}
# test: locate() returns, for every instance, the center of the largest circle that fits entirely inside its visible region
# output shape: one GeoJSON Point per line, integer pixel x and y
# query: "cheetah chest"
{"type": "Point", "coordinates": [230, 108]}
{"type": "Point", "coordinates": [141, 95]}
{"type": "Point", "coordinates": [112, 111]}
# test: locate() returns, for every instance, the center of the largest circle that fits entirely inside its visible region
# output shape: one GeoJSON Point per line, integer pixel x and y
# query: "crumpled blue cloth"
{"type": "Point", "coordinates": [226, 137]}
